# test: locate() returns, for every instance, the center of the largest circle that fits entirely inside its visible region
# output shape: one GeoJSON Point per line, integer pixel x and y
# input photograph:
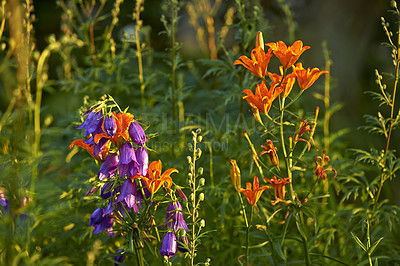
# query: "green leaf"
{"type": "Point", "coordinates": [372, 248]}
{"type": "Point", "coordinates": [358, 241]}
{"type": "Point", "coordinates": [300, 226]}
{"type": "Point", "coordinates": [278, 250]}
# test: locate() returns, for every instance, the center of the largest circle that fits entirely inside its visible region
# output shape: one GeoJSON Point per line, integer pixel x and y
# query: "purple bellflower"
{"type": "Point", "coordinates": [183, 244]}
{"type": "Point", "coordinates": [3, 202]}
{"type": "Point", "coordinates": [136, 133]}
{"type": "Point", "coordinates": [98, 147]}
{"type": "Point", "coordinates": [127, 162]}
{"type": "Point", "coordinates": [142, 159]}
{"type": "Point", "coordinates": [101, 222]}
{"type": "Point", "coordinates": [110, 126]}
{"type": "Point", "coordinates": [174, 218]}
{"type": "Point", "coordinates": [92, 125]}
{"type": "Point", "coordinates": [130, 195]}
{"type": "Point", "coordinates": [109, 167]}
{"type": "Point", "coordinates": [105, 191]}
{"type": "Point", "coordinates": [168, 245]}
{"type": "Point", "coordinates": [119, 258]}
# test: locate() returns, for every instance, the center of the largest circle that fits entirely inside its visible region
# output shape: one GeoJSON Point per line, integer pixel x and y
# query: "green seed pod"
{"type": "Point", "coordinates": [200, 170]}
{"type": "Point", "coordinates": [202, 181]}
{"type": "Point", "coordinates": [202, 223]}
{"type": "Point", "coordinates": [201, 197]}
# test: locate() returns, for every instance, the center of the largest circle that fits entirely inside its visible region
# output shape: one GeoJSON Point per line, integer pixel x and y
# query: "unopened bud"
{"type": "Point", "coordinates": [199, 138]}
{"type": "Point", "coordinates": [260, 40]}
{"type": "Point", "coordinates": [235, 175]}
{"type": "Point", "coordinates": [198, 153]}
{"type": "Point", "coordinates": [202, 181]}
{"type": "Point", "coordinates": [181, 194]}
{"type": "Point", "coordinates": [198, 131]}
{"type": "Point", "coordinates": [202, 223]}
{"type": "Point", "coordinates": [200, 171]}
{"type": "Point", "coordinates": [201, 197]}
{"type": "Point", "coordinates": [189, 159]}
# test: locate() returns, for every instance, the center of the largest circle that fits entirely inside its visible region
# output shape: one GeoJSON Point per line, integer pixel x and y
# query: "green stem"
{"type": "Point", "coordinates": [306, 253]}
{"type": "Point", "coordinates": [289, 172]}
{"type": "Point", "coordinates": [173, 55]}
{"type": "Point", "coordinates": [248, 236]}
{"type": "Point", "coordinates": [139, 49]}
{"type": "Point", "coordinates": [396, 80]}
{"type": "Point", "coordinates": [138, 251]}
{"type": "Point", "coordinates": [193, 198]}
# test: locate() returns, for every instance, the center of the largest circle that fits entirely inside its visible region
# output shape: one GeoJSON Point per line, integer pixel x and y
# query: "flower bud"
{"type": "Point", "coordinates": [181, 194]}
{"type": "Point", "coordinates": [235, 175]}
{"type": "Point", "coordinates": [200, 170]}
{"type": "Point", "coordinates": [260, 40]}
{"type": "Point", "coordinates": [198, 155]}
{"type": "Point", "coordinates": [199, 138]}
{"type": "Point", "coordinates": [137, 134]}
{"type": "Point", "coordinates": [201, 197]}
{"type": "Point", "coordinates": [202, 181]}
{"type": "Point", "coordinates": [202, 223]}
{"type": "Point", "coordinates": [189, 159]}
{"type": "Point", "coordinates": [110, 126]}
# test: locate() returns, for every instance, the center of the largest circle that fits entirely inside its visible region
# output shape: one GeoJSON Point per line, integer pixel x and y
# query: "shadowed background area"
{"type": "Point", "coordinates": [352, 30]}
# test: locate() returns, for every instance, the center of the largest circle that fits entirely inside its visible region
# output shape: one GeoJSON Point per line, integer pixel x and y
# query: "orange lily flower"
{"type": "Point", "coordinates": [154, 179]}
{"type": "Point", "coordinates": [89, 148]}
{"type": "Point", "coordinates": [122, 120]}
{"type": "Point", "coordinates": [279, 188]}
{"type": "Point", "coordinates": [254, 195]}
{"type": "Point", "coordinates": [286, 84]}
{"type": "Point", "coordinates": [320, 163]}
{"type": "Point", "coordinates": [263, 99]}
{"type": "Point", "coordinates": [258, 63]}
{"type": "Point", "coordinates": [270, 149]}
{"type": "Point", "coordinates": [287, 55]}
{"type": "Point", "coordinates": [306, 77]}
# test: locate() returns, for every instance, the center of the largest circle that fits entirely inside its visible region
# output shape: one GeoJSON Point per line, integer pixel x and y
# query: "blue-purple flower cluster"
{"type": "Point", "coordinates": [176, 225]}
{"type": "Point", "coordinates": [127, 179]}
{"type": "Point", "coordinates": [102, 131]}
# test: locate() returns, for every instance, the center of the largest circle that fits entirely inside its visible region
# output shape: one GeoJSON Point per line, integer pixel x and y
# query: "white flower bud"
{"type": "Point", "coordinates": [202, 181]}
{"type": "Point", "coordinates": [201, 197]}
{"type": "Point", "coordinates": [202, 223]}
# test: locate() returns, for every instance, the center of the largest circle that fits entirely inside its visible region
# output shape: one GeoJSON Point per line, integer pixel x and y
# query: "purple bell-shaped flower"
{"type": "Point", "coordinates": [136, 133]}
{"type": "Point", "coordinates": [130, 195]}
{"type": "Point", "coordinates": [109, 167]}
{"type": "Point", "coordinates": [127, 162]}
{"type": "Point", "coordinates": [142, 159]}
{"type": "Point", "coordinates": [168, 245]}
{"type": "Point", "coordinates": [92, 124]}
{"type": "Point", "coordinates": [174, 218]}
{"type": "Point", "coordinates": [101, 222]}
{"type": "Point", "coordinates": [110, 126]}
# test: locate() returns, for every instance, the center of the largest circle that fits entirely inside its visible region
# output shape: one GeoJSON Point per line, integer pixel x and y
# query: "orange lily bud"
{"type": "Point", "coordinates": [260, 40]}
{"type": "Point", "coordinates": [235, 175]}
